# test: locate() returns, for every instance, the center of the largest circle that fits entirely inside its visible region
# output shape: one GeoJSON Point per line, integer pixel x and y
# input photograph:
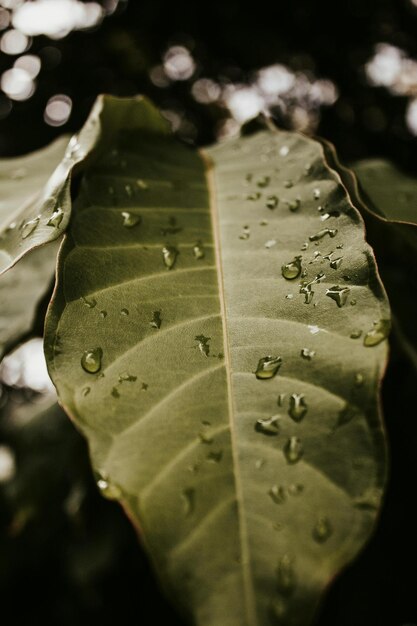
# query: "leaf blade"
{"type": "Point", "coordinates": [185, 420]}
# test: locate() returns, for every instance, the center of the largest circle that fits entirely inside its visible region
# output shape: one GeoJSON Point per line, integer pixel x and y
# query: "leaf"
{"type": "Point", "coordinates": [21, 291]}
{"type": "Point", "coordinates": [35, 200]}
{"type": "Point", "coordinates": [233, 411]}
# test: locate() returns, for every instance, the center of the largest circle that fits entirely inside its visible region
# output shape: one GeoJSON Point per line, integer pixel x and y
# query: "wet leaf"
{"type": "Point", "coordinates": [172, 413]}
{"type": "Point", "coordinates": [35, 198]}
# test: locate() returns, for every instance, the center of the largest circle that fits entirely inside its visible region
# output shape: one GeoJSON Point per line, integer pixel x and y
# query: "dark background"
{"type": "Point", "coordinates": [86, 568]}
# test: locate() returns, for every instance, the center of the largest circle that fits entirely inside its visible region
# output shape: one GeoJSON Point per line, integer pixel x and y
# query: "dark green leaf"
{"type": "Point", "coordinates": [218, 333]}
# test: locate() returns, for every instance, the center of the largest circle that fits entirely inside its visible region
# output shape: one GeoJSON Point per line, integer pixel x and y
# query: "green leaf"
{"type": "Point", "coordinates": [232, 410]}
{"type": "Point", "coordinates": [21, 292]}
{"type": "Point", "coordinates": [35, 199]}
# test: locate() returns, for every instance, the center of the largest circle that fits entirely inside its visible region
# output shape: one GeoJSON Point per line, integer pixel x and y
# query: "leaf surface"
{"type": "Point", "coordinates": [232, 410]}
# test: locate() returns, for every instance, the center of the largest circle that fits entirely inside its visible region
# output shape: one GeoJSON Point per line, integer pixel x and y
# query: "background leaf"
{"type": "Point", "coordinates": [177, 303]}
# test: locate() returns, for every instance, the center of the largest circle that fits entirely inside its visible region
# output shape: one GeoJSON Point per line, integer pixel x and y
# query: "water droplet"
{"type": "Point", "coordinates": [332, 232]}
{"type": "Point", "coordinates": [56, 218]}
{"type": "Point", "coordinates": [267, 367]}
{"type": "Point", "coordinates": [298, 407]}
{"type": "Point", "coordinates": [263, 223]}
{"type": "Point", "coordinates": [130, 219]}
{"type": "Point", "coordinates": [141, 184]}
{"type": "Point", "coordinates": [355, 334]}
{"type": "Point", "coordinates": [203, 344]}
{"type": "Point", "coordinates": [270, 243]}
{"type": "Point", "coordinates": [245, 233]}
{"type": "Point", "coordinates": [103, 314]}
{"type": "Point", "coordinates": [283, 151]}
{"type": "Point", "coordinates": [205, 437]}
{"type": "Point", "coordinates": [107, 488]}
{"type": "Point", "coordinates": [156, 320]}
{"type": "Point", "coordinates": [293, 450]}
{"type": "Point", "coordinates": [322, 530]}
{"type": "Point", "coordinates": [115, 392]}
{"type": "Point", "coordinates": [378, 333]}
{"type": "Point", "coordinates": [288, 184]}
{"type": "Point", "coordinates": [338, 294]}
{"type": "Point", "coordinates": [124, 312]}
{"type": "Point", "coordinates": [272, 202]}
{"type": "Point", "coordinates": [90, 303]}
{"type": "Point", "coordinates": [91, 360]}
{"type": "Point", "coordinates": [259, 463]}
{"type": "Point", "coordinates": [359, 379]}
{"type": "Point", "coordinates": [264, 181]}
{"type": "Point", "coordinates": [277, 494]}
{"type": "Point", "coordinates": [169, 255]}
{"type": "Point", "coordinates": [254, 196]}
{"type": "Point", "coordinates": [293, 205]}
{"type": "Point", "coordinates": [126, 377]}
{"type": "Point", "coordinates": [336, 263]}
{"type": "Point", "coordinates": [308, 354]}
{"type": "Point", "coordinates": [188, 497]}
{"type": "Point", "coordinates": [285, 575]}
{"type": "Point", "coordinates": [304, 246]}
{"type": "Point", "coordinates": [307, 288]}
{"type": "Point", "coordinates": [129, 190]}
{"type": "Point", "coordinates": [268, 425]}
{"type": "Point", "coordinates": [292, 270]}
{"type": "Point", "coordinates": [295, 489]}
{"type": "Point", "coordinates": [328, 215]}
{"type": "Point", "coordinates": [353, 302]}
{"type": "Point", "coordinates": [86, 391]}
{"type": "Point", "coordinates": [29, 227]}
{"type": "Point", "coordinates": [316, 193]}
{"type": "Point", "coordinates": [215, 456]}
{"type": "Point", "coordinates": [281, 398]}
{"type": "Point", "coordinates": [198, 250]}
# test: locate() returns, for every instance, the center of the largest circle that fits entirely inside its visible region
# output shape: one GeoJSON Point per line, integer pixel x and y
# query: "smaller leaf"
{"type": "Point", "coordinates": [35, 200]}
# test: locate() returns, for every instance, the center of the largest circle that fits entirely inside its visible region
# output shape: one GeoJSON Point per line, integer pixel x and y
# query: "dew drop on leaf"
{"type": "Point", "coordinates": [272, 202]}
{"type": "Point", "coordinates": [90, 303]}
{"type": "Point", "coordinates": [126, 377]}
{"type": "Point", "coordinates": [254, 196]}
{"type": "Point", "coordinates": [338, 294]}
{"type": "Point", "coordinates": [285, 575]}
{"type": "Point", "coordinates": [277, 494]}
{"type": "Point", "coordinates": [107, 488]}
{"type": "Point", "coordinates": [316, 193]}
{"type": "Point", "coordinates": [156, 320]}
{"type": "Point", "coordinates": [29, 227]}
{"type": "Point", "coordinates": [298, 407]}
{"type": "Point", "coordinates": [141, 184]}
{"type": "Point", "coordinates": [292, 270]}
{"type": "Point", "coordinates": [215, 456]}
{"type": "Point", "coordinates": [198, 250]}
{"type": "Point", "coordinates": [263, 181]}
{"type": "Point", "coordinates": [169, 256]}
{"type": "Point", "coordinates": [267, 367]}
{"type": "Point", "coordinates": [322, 530]}
{"type": "Point", "coordinates": [332, 232]}
{"type": "Point", "coordinates": [293, 450]}
{"type": "Point", "coordinates": [295, 489]}
{"type": "Point", "coordinates": [91, 360]}
{"type": "Point", "coordinates": [268, 425]}
{"type": "Point", "coordinates": [336, 263]}
{"type": "Point", "coordinates": [245, 234]}
{"type": "Point", "coordinates": [56, 218]}
{"type": "Point", "coordinates": [124, 312]}
{"type": "Point", "coordinates": [378, 333]}
{"type": "Point", "coordinates": [307, 354]}
{"type": "Point", "coordinates": [130, 219]}
{"type": "Point", "coordinates": [283, 151]}
{"type": "Point", "coordinates": [188, 497]}
{"type": "Point", "coordinates": [355, 334]}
